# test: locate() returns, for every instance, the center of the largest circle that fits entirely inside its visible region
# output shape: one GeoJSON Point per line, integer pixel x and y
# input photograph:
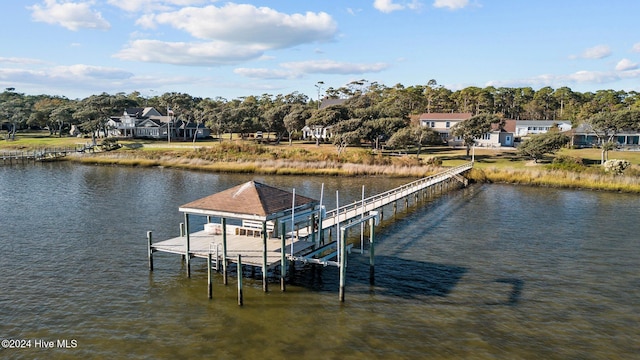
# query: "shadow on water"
{"type": "Point", "coordinates": [514, 295]}
{"type": "Point", "coordinates": [394, 277]}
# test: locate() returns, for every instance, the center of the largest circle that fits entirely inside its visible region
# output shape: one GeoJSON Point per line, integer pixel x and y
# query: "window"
{"type": "Point", "coordinates": [448, 124]}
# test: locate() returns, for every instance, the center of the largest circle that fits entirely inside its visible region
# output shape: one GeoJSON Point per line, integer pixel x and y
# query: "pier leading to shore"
{"type": "Point", "coordinates": [272, 229]}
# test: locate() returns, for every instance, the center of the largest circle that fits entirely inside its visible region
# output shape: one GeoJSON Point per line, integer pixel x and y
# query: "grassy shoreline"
{"type": "Point", "coordinates": [491, 166]}
{"type": "Point", "coordinates": [482, 173]}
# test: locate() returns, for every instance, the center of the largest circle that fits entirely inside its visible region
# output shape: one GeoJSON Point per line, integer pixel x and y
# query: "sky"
{"type": "Point", "coordinates": [209, 48]}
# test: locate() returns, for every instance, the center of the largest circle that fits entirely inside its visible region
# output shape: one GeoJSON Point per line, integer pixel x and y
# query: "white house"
{"type": "Point", "coordinates": [443, 122]}
{"type": "Point", "coordinates": [496, 138]}
{"type": "Point", "coordinates": [532, 127]}
{"type": "Point", "coordinates": [316, 132]}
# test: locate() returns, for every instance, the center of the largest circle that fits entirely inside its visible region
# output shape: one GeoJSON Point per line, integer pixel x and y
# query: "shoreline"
{"type": "Point", "coordinates": [533, 177]}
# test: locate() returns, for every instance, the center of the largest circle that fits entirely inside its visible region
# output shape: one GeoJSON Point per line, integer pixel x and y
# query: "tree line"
{"type": "Point", "coordinates": [371, 112]}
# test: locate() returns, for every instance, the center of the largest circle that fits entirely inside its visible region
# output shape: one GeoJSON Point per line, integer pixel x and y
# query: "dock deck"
{"type": "Point", "coordinates": [202, 242]}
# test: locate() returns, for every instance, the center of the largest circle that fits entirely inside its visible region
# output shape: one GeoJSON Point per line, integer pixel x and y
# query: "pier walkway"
{"type": "Point", "coordinates": [358, 209]}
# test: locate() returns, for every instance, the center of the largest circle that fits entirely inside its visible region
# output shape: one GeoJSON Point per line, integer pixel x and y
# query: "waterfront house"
{"type": "Point", "coordinates": [149, 123]}
{"type": "Point", "coordinates": [584, 136]}
{"type": "Point", "coordinates": [531, 127]}
{"type": "Point", "coordinates": [443, 123]}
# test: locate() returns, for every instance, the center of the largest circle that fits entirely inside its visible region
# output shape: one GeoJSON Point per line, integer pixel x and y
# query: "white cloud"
{"type": "Point", "coordinates": [184, 53]}
{"type": "Point", "coordinates": [20, 61]}
{"type": "Point", "coordinates": [298, 69]}
{"type": "Point", "coordinates": [243, 23]}
{"type": "Point", "coordinates": [626, 64]}
{"type": "Point", "coordinates": [387, 6]}
{"type": "Point", "coordinates": [333, 67]}
{"type": "Point", "coordinates": [70, 15]}
{"type": "Point", "coordinates": [263, 73]}
{"type": "Point", "coordinates": [577, 78]}
{"type": "Point", "coordinates": [80, 79]}
{"type": "Point", "coordinates": [636, 47]}
{"type": "Point", "coordinates": [71, 77]}
{"type": "Point", "coordinates": [227, 35]}
{"type": "Point", "coordinates": [451, 4]}
{"type": "Point", "coordinates": [80, 71]}
{"type": "Point", "coordinates": [153, 5]}
{"type": "Point", "coordinates": [596, 52]}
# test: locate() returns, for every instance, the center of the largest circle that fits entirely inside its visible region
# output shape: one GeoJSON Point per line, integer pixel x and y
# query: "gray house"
{"type": "Point", "coordinates": [149, 123]}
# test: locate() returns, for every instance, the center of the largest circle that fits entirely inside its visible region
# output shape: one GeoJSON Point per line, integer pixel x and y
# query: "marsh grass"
{"type": "Point", "coordinates": [558, 178]}
{"type": "Point", "coordinates": [570, 168]}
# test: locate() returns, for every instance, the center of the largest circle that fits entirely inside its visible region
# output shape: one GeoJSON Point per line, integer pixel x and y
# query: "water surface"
{"type": "Point", "coordinates": [492, 271]}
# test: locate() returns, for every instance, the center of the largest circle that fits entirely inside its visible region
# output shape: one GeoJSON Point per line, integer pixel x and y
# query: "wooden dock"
{"type": "Point", "coordinates": [357, 209]}
{"type": "Point", "coordinates": [202, 243]}
{"type": "Point", "coordinates": [263, 239]}
{"type": "Point", "coordinates": [45, 154]}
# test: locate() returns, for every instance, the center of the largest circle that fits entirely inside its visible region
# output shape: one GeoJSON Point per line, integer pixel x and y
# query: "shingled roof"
{"type": "Point", "coordinates": [248, 200]}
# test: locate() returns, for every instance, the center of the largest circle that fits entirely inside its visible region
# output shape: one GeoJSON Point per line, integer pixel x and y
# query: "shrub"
{"type": "Point", "coordinates": [434, 161]}
{"type": "Point", "coordinates": [616, 166]}
{"type": "Point", "coordinates": [570, 163]}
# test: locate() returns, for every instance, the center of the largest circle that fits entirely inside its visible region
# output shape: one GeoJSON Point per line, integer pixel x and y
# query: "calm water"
{"type": "Point", "coordinates": [486, 272]}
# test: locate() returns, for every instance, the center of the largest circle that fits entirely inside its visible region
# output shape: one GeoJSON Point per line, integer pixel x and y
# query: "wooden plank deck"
{"type": "Point", "coordinates": [249, 247]}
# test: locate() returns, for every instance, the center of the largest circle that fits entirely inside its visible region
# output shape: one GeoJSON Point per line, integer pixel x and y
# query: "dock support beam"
{"type": "Point", "coordinates": [209, 277]}
{"type": "Point", "coordinates": [343, 262]}
{"type": "Point", "coordinates": [372, 252]}
{"type": "Point", "coordinates": [240, 297]}
{"type": "Point", "coordinates": [283, 258]}
{"type": "Point", "coordinates": [187, 254]}
{"type": "Point", "coordinates": [150, 242]}
{"type": "Point", "coordinates": [225, 263]}
{"type": "Point", "coordinates": [265, 283]}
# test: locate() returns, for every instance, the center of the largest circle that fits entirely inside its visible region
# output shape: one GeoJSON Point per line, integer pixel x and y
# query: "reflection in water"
{"type": "Point", "coordinates": [487, 272]}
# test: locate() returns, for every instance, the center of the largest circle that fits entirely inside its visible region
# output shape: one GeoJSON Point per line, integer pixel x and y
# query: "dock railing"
{"type": "Point", "coordinates": [359, 207]}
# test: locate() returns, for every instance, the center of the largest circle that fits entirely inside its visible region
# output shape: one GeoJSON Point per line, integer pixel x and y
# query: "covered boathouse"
{"type": "Point", "coordinates": [254, 220]}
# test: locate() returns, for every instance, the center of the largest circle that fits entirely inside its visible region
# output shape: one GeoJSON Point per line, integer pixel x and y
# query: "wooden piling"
{"type": "Point", "coordinates": [187, 255]}
{"type": "Point", "coordinates": [372, 252]}
{"type": "Point", "coordinates": [209, 277]}
{"type": "Point", "coordinates": [224, 251]}
{"type": "Point", "coordinates": [150, 242]}
{"type": "Point", "coordinates": [265, 282]}
{"type": "Point", "coordinates": [240, 297]}
{"type": "Point", "coordinates": [283, 258]}
{"type": "Point", "coordinates": [343, 262]}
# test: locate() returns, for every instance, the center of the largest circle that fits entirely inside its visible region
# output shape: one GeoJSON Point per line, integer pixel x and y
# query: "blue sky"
{"type": "Point", "coordinates": [208, 48]}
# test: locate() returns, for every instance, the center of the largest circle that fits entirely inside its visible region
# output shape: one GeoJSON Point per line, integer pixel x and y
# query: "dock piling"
{"type": "Point", "coordinates": [209, 277]}
{"type": "Point", "coordinates": [343, 262]}
{"type": "Point", "coordinates": [371, 252]}
{"type": "Point", "coordinates": [150, 242]}
{"type": "Point", "coordinates": [283, 258]}
{"type": "Point", "coordinates": [265, 282]}
{"type": "Point", "coordinates": [225, 279]}
{"type": "Point", "coordinates": [187, 255]}
{"type": "Point", "coordinates": [240, 297]}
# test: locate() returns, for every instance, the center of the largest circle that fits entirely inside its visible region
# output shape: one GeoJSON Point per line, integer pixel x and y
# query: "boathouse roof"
{"type": "Point", "coordinates": [251, 200]}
